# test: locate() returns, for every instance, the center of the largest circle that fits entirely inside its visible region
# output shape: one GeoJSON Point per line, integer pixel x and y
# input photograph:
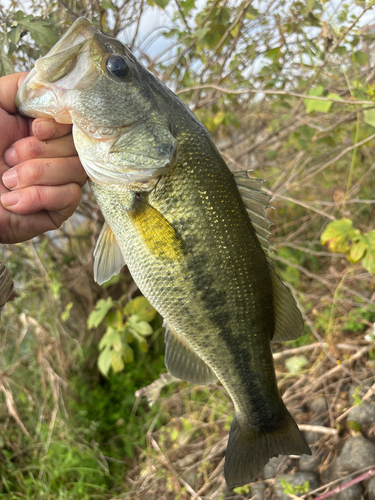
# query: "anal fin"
{"type": "Point", "coordinates": [184, 363]}
{"type": "Point", "coordinates": [108, 256]}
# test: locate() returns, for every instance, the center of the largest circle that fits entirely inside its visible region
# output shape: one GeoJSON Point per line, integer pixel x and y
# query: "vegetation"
{"type": "Point", "coordinates": [286, 89]}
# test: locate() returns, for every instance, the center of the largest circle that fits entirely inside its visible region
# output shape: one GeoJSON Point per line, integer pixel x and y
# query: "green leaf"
{"type": "Point", "coordinates": [357, 400]}
{"type": "Point", "coordinates": [251, 13]}
{"type": "Point", "coordinates": [296, 363]}
{"type": "Point", "coordinates": [369, 259]}
{"type": "Point", "coordinates": [369, 117]}
{"type": "Point", "coordinates": [117, 362]}
{"type": "Point", "coordinates": [332, 95]}
{"type": "Point", "coordinates": [337, 235]}
{"type": "Point", "coordinates": [98, 314]}
{"type": "Point", "coordinates": [112, 281]}
{"type": "Point", "coordinates": [187, 6]}
{"type": "Point", "coordinates": [219, 118]}
{"type": "Point", "coordinates": [108, 5]}
{"type": "Point", "coordinates": [358, 250]}
{"type": "Point", "coordinates": [341, 50]}
{"type": "Point", "coordinates": [104, 361]}
{"type": "Point", "coordinates": [273, 54]}
{"type": "Point", "coordinates": [128, 354]}
{"type": "Point", "coordinates": [115, 319]}
{"type": "Point", "coordinates": [66, 313]}
{"type": "Point", "coordinates": [143, 328]}
{"type": "Point", "coordinates": [360, 58]}
{"type": "Point", "coordinates": [315, 105]}
{"type": "Point", "coordinates": [14, 34]}
{"type": "Point", "coordinates": [142, 308]}
{"type": "Point", "coordinates": [40, 30]}
{"type": "Point", "coordinates": [317, 91]}
{"type": "Point", "coordinates": [7, 64]}
{"type": "Point", "coordinates": [308, 7]}
{"type": "Point", "coordinates": [201, 33]}
{"type": "Point", "coordinates": [159, 3]}
{"type": "Point", "coordinates": [111, 339]}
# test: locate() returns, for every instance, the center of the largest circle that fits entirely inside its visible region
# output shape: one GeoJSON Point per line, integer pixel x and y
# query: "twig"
{"type": "Point", "coordinates": [340, 366]}
{"type": "Point", "coordinates": [358, 479]}
{"type": "Point", "coordinates": [367, 396]}
{"type": "Point", "coordinates": [272, 92]}
{"type": "Point", "coordinates": [300, 203]}
{"type": "Point", "coordinates": [50, 431]}
{"type": "Point", "coordinates": [316, 170]}
{"type": "Point", "coordinates": [335, 481]}
{"type": "Point", "coordinates": [320, 429]}
{"type": "Point", "coordinates": [296, 350]}
{"type": "Point", "coordinates": [12, 407]}
{"type": "Point", "coordinates": [169, 467]}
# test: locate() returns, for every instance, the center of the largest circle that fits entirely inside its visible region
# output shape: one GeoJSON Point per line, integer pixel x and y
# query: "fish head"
{"type": "Point", "coordinates": [121, 128]}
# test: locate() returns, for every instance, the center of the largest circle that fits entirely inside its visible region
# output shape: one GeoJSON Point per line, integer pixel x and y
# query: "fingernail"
{"type": "Point", "coordinates": [10, 199]}
{"type": "Point", "coordinates": [44, 129]}
{"type": "Point", "coordinates": [10, 178]}
{"type": "Point", "coordinates": [10, 157]}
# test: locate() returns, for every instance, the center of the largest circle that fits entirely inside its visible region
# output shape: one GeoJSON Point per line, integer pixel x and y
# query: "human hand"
{"type": "Point", "coordinates": [40, 173]}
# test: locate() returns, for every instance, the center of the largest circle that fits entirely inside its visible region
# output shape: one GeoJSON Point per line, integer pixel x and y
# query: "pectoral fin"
{"type": "Point", "coordinates": [155, 231]}
{"type": "Point", "coordinates": [288, 319]}
{"type": "Point", "coordinates": [108, 256]}
{"type": "Point", "coordinates": [184, 363]}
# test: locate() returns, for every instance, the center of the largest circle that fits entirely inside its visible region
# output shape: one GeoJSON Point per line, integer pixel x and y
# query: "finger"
{"type": "Point", "coordinates": [17, 228]}
{"type": "Point", "coordinates": [49, 129]}
{"type": "Point", "coordinates": [48, 172]}
{"type": "Point", "coordinates": [33, 199]}
{"type": "Point", "coordinates": [9, 86]}
{"type": "Point", "coordinates": [31, 148]}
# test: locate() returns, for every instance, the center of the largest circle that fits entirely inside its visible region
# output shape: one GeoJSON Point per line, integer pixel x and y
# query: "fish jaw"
{"type": "Point", "coordinates": [45, 91]}
{"type": "Point", "coordinates": [36, 100]}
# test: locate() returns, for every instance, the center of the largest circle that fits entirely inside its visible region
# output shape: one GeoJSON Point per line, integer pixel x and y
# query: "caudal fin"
{"type": "Point", "coordinates": [248, 451]}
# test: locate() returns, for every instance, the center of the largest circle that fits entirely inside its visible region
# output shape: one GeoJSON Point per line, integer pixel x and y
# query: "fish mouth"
{"type": "Point", "coordinates": [34, 96]}
{"type": "Point", "coordinates": [66, 66]}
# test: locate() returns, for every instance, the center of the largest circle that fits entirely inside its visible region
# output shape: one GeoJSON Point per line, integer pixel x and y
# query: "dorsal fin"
{"type": "Point", "coordinates": [288, 320]}
{"type": "Point", "coordinates": [184, 363]}
{"type": "Point", "coordinates": [256, 202]}
{"type": "Point", "coordinates": [6, 285]}
{"type": "Point", "coordinates": [108, 256]}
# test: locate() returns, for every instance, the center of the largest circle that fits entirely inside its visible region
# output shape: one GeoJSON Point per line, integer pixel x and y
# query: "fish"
{"type": "Point", "coordinates": [193, 234]}
{"type": "Point", "coordinates": [6, 286]}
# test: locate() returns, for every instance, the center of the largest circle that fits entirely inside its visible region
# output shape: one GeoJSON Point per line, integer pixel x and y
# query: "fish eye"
{"type": "Point", "coordinates": [117, 66]}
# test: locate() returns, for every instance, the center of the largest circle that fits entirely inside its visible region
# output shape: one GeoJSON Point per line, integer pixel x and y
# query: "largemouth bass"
{"type": "Point", "coordinates": [193, 235]}
{"type": "Point", "coordinates": [6, 285]}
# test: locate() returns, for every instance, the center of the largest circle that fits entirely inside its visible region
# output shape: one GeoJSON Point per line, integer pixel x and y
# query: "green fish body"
{"type": "Point", "coordinates": [192, 234]}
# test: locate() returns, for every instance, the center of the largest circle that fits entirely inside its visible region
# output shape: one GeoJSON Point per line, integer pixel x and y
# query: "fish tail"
{"type": "Point", "coordinates": [249, 450]}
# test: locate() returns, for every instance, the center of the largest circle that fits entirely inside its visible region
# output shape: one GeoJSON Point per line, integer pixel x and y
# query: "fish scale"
{"type": "Point", "coordinates": [181, 221]}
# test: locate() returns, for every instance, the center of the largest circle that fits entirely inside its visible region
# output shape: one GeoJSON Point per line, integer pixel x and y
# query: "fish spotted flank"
{"type": "Point", "coordinates": [193, 235]}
